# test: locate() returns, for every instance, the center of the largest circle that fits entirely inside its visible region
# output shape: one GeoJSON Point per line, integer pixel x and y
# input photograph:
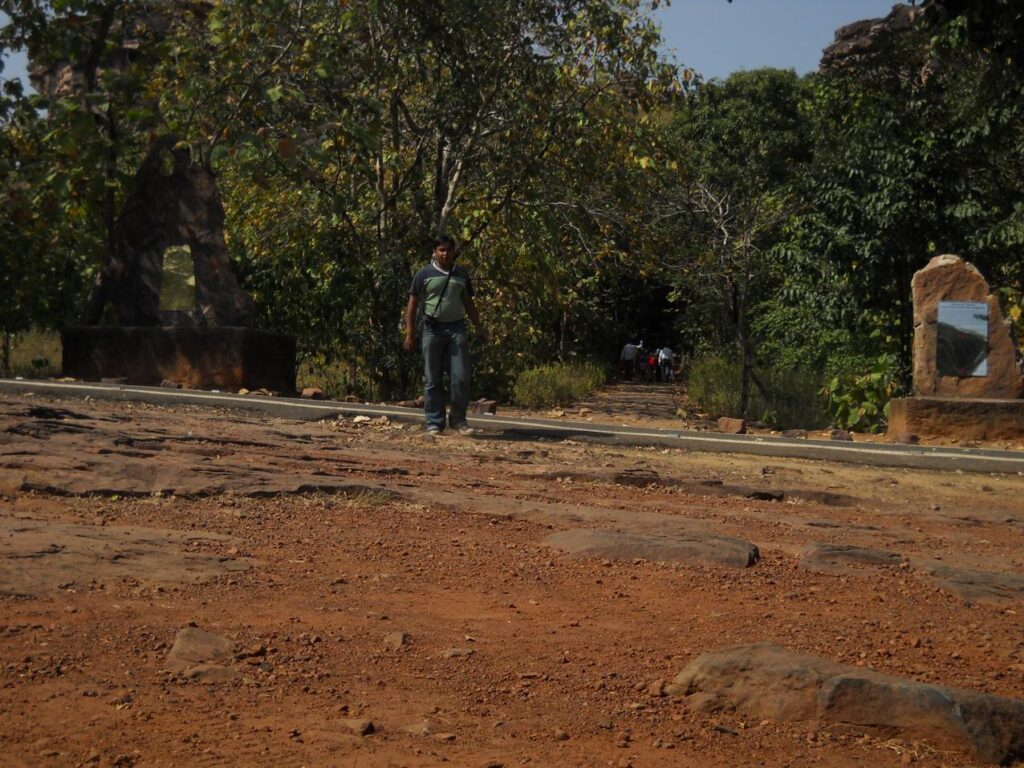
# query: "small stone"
{"type": "Point", "coordinates": [168, 384]}
{"type": "Point", "coordinates": [560, 735]}
{"type": "Point", "coordinates": [841, 435]}
{"type": "Point", "coordinates": [454, 653]}
{"type": "Point", "coordinates": [731, 426]}
{"type": "Point", "coordinates": [905, 438]}
{"type": "Point", "coordinates": [312, 393]}
{"type": "Point", "coordinates": [359, 726]}
{"type": "Point", "coordinates": [657, 688]}
{"type": "Point", "coordinates": [795, 434]}
{"type": "Point", "coordinates": [361, 419]}
{"type": "Point", "coordinates": [446, 737]}
{"type": "Point", "coordinates": [396, 640]}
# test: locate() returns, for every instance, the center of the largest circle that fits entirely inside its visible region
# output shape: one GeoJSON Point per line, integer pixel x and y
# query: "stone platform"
{"type": "Point", "coordinates": [225, 358]}
{"type": "Point", "coordinates": [956, 417]}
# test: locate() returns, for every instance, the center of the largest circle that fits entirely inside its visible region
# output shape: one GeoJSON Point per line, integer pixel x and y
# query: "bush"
{"type": "Point", "coordinates": [790, 397]}
{"type": "Point", "coordinates": [860, 402]}
{"type": "Point", "coordinates": [557, 384]}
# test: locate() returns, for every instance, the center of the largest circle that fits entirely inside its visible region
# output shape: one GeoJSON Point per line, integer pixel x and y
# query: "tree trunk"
{"type": "Point", "coordinates": [5, 357]}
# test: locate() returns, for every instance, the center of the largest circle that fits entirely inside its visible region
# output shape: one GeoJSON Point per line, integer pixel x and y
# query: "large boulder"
{"type": "Point", "coordinates": [765, 680]}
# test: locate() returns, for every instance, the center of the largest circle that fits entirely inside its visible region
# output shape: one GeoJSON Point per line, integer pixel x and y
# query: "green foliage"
{"type": "Point", "coordinates": [784, 397]}
{"type": "Point", "coordinates": [860, 401]}
{"type": "Point", "coordinates": [557, 384]}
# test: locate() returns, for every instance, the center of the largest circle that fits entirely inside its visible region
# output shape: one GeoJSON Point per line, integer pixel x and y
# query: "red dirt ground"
{"type": "Point", "coordinates": [443, 540]}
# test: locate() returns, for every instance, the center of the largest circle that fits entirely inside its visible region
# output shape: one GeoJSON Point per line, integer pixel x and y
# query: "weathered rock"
{"type": "Point", "coordinates": [840, 434]}
{"type": "Point", "coordinates": [730, 426]}
{"type": "Point", "coordinates": [681, 546]}
{"type": "Point", "coordinates": [39, 555]}
{"type": "Point", "coordinates": [795, 434]}
{"type": "Point", "coordinates": [857, 41]}
{"type": "Point", "coordinates": [455, 653]}
{"type": "Point", "coordinates": [903, 438]}
{"type": "Point", "coordinates": [312, 393]}
{"type": "Point", "coordinates": [950, 278]}
{"type": "Point", "coordinates": [212, 673]}
{"type": "Point", "coordinates": [358, 726]}
{"type": "Point", "coordinates": [396, 640]}
{"type": "Point", "coordinates": [837, 558]}
{"type": "Point", "coordinates": [975, 585]}
{"type": "Point", "coordinates": [767, 681]}
{"type": "Point", "coordinates": [195, 648]}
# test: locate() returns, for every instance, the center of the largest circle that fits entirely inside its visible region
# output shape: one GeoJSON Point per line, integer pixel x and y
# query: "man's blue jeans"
{"type": "Point", "coordinates": [445, 343]}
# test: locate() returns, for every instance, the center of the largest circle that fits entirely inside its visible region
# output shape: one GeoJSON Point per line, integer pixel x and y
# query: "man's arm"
{"type": "Point", "coordinates": [410, 322]}
{"type": "Point", "coordinates": [473, 315]}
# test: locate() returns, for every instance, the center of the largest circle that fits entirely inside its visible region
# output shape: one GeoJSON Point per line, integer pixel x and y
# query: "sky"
{"type": "Point", "coordinates": [716, 37]}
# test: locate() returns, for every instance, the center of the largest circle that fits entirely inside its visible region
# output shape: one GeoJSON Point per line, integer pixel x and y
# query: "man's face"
{"type": "Point", "coordinates": [444, 255]}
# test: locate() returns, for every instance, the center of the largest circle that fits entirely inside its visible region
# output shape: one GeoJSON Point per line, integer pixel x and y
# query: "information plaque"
{"type": "Point", "coordinates": [962, 340]}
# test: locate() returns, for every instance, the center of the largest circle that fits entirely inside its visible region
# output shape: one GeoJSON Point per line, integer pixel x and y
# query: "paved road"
{"type": "Point", "coordinates": [885, 455]}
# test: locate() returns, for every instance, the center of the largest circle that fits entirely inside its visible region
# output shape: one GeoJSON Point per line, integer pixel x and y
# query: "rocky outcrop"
{"type": "Point", "coordinates": [767, 681]}
{"type": "Point", "coordinates": [858, 40]}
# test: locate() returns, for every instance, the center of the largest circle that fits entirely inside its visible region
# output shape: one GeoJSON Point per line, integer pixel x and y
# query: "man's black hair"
{"type": "Point", "coordinates": [445, 240]}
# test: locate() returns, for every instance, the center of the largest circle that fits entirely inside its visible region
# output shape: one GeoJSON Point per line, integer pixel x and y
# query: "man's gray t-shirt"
{"type": "Point", "coordinates": [428, 285]}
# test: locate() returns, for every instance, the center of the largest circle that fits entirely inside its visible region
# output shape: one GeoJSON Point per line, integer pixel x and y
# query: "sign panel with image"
{"type": "Point", "coordinates": [962, 343]}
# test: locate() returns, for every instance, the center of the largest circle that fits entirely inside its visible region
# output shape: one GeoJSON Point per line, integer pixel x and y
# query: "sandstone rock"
{"type": "Point", "coordinates": [682, 546]}
{"type": "Point", "coordinates": [795, 434]}
{"type": "Point", "coordinates": [194, 647]}
{"type": "Point", "coordinates": [975, 585]}
{"type": "Point", "coordinates": [730, 426]}
{"type": "Point", "coordinates": [455, 653]}
{"type": "Point", "coordinates": [857, 41]}
{"type": "Point", "coordinates": [767, 681]}
{"type": "Point", "coordinates": [840, 434]}
{"type": "Point", "coordinates": [168, 384]}
{"type": "Point", "coordinates": [312, 393]}
{"type": "Point", "coordinates": [212, 673]}
{"type": "Point", "coordinates": [950, 278]}
{"type": "Point", "coordinates": [358, 726]}
{"type": "Point", "coordinates": [396, 640]}
{"type": "Point", "coordinates": [904, 438]}
{"type": "Point", "coordinates": [836, 558]}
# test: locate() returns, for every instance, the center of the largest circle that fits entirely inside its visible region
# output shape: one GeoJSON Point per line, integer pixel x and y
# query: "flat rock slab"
{"type": "Point", "coordinates": [674, 546]}
{"type": "Point", "coordinates": [766, 681]}
{"type": "Point", "coordinates": [838, 558]}
{"type": "Point", "coordinates": [40, 555]}
{"type": "Point", "coordinates": [975, 585]}
{"type": "Point", "coordinates": [194, 646]}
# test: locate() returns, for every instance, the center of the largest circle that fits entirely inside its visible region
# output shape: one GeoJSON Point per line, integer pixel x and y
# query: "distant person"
{"type": "Point", "coordinates": [652, 366]}
{"type": "Point", "coordinates": [628, 359]}
{"type": "Point", "coordinates": [665, 363]}
{"type": "Point", "coordinates": [445, 292]}
{"type": "Point", "coordinates": [641, 361]}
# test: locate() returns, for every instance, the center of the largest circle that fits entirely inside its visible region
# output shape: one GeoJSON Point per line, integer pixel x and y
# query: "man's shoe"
{"type": "Point", "coordinates": [433, 431]}
{"type": "Point", "coordinates": [466, 431]}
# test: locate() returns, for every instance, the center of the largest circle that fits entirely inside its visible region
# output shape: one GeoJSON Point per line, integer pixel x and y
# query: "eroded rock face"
{"type": "Point", "coordinates": [682, 547]}
{"type": "Point", "coordinates": [175, 203]}
{"type": "Point", "coordinates": [861, 38]}
{"type": "Point", "coordinates": [950, 278]}
{"type": "Point", "coordinates": [838, 558]}
{"type": "Point", "coordinates": [765, 680]}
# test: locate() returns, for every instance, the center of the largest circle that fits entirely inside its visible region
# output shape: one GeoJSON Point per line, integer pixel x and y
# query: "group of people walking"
{"type": "Point", "coordinates": [638, 362]}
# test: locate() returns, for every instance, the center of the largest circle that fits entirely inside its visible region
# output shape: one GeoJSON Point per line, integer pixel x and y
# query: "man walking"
{"type": "Point", "coordinates": [445, 292]}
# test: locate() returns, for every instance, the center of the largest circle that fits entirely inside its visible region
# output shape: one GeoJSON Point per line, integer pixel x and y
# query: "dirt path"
{"type": "Point", "coordinates": [308, 545]}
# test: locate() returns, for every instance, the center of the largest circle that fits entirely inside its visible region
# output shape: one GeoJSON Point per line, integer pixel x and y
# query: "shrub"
{"type": "Point", "coordinates": [786, 397]}
{"type": "Point", "coordinates": [557, 384]}
{"type": "Point", "coordinates": [860, 402]}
